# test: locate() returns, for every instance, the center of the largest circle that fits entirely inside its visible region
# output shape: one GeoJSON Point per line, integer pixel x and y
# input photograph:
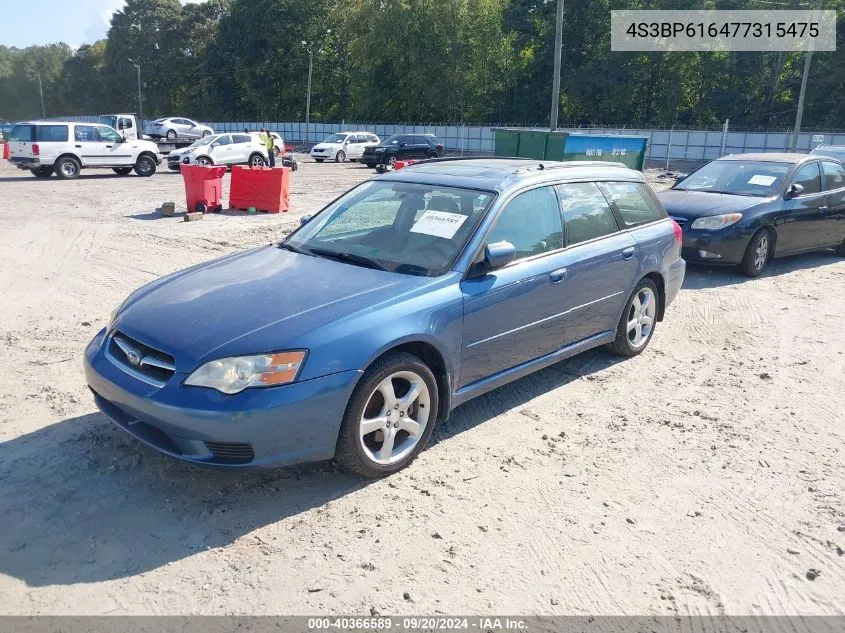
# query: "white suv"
{"type": "Point", "coordinates": [65, 148]}
{"type": "Point", "coordinates": [344, 145]}
{"type": "Point", "coordinates": [221, 149]}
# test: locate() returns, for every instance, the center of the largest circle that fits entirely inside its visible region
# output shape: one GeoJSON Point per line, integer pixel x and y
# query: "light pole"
{"type": "Point", "coordinates": [40, 92]}
{"type": "Point", "coordinates": [140, 113]}
{"type": "Point", "coordinates": [310, 49]}
{"type": "Point", "coordinates": [556, 77]}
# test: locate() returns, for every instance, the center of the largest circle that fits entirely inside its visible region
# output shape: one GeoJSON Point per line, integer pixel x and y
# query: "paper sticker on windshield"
{"type": "Point", "coordinates": [439, 224]}
{"type": "Point", "coordinates": [763, 181]}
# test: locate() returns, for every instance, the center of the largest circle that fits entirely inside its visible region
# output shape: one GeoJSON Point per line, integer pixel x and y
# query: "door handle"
{"type": "Point", "coordinates": [108, 146]}
{"type": "Point", "coordinates": [78, 146]}
{"type": "Point", "coordinates": [628, 253]}
{"type": "Point", "coordinates": [556, 276]}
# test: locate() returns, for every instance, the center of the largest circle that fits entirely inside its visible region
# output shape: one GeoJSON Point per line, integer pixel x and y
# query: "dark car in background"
{"type": "Point", "coordinates": [831, 151]}
{"type": "Point", "coordinates": [746, 209]}
{"type": "Point", "coordinates": [403, 147]}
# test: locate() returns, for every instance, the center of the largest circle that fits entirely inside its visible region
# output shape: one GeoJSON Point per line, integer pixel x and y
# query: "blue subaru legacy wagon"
{"type": "Point", "coordinates": [402, 299]}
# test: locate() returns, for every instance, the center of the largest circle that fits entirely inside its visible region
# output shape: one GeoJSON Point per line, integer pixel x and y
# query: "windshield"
{"type": "Point", "coordinates": [407, 228]}
{"type": "Point", "coordinates": [205, 140]}
{"type": "Point", "coordinates": [111, 121]}
{"type": "Point", "coordinates": [751, 178]}
{"type": "Point", "coordinates": [834, 152]}
{"type": "Point", "coordinates": [336, 138]}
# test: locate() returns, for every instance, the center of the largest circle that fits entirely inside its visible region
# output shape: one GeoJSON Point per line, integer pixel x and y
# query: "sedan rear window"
{"type": "Point", "coordinates": [22, 133]}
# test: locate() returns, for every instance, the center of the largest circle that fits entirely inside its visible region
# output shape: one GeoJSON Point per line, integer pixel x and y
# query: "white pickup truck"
{"type": "Point", "coordinates": [65, 148]}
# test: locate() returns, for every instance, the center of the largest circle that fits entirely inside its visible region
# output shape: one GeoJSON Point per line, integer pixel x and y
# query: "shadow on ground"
{"type": "Point", "coordinates": [84, 502]}
{"type": "Point", "coordinates": [699, 277]}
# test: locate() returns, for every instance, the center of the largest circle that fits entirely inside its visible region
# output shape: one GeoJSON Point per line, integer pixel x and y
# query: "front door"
{"type": "Point", "coordinates": [834, 178]}
{"type": "Point", "coordinates": [510, 313]}
{"type": "Point", "coordinates": [91, 148]}
{"type": "Point", "coordinates": [223, 152]}
{"type": "Point", "coordinates": [118, 152]}
{"type": "Point", "coordinates": [804, 221]}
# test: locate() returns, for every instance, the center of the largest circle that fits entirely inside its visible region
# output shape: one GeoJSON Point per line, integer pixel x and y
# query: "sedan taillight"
{"type": "Point", "coordinates": [679, 234]}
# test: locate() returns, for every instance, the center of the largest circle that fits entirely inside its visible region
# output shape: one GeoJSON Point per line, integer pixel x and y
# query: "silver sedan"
{"type": "Point", "coordinates": [175, 128]}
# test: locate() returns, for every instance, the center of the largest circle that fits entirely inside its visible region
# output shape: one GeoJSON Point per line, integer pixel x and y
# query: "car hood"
{"type": "Point", "coordinates": [698, 204]}
{"type": "Point", "coordinates": [252, 302]}
{"type": "Point", "coordinates": [328, 145]}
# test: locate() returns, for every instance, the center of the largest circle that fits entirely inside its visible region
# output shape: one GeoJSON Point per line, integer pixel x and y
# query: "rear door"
{"type": "Point", "coordinates": [118, 153]}
{"type": "Point", "coordinates": [21, 139]}
{"type": "Point", "coordinates": [355, 146]}
{"type": "Point", "coordinates": [803, 226]}
{"type": "Point", "coordinates": [834, 183]}
{"type": "Point", "coordinates": [242, 147]}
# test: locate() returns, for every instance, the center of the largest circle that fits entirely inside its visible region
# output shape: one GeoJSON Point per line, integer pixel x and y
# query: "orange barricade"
{"type": "Point", "coordinates": [7, 151]}
{"type": "Point", "coordinates": [399, 164]}
{"type": "Point", "coordinates": [265, 188]}
{"type": "Point", "coordinates": [203, 187]}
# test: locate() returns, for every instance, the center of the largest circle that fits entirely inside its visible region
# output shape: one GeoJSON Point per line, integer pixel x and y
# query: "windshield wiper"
{"type": "Point", "coordinates": [293, 249]}
{"type": "Point", "coordinates": [350, 258]}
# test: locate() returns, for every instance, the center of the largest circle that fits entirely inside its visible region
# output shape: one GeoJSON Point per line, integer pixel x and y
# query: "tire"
{"type": "Point", "coordinates": [276, 151]}
{"type": "Point", "coordinates": [319, 160]}
{"type": "Point", "coordinates": [171, 135]}
{"type": "Point", "coordinates": [371, 165]}
{"type": "Point", "coordinates": [432, 154]}
{"type": "Point", "coordinates": [636, 325]}
{"type": "Point", "coordinates": [340, 157]}
{"type": "Point", "coordinates": [68, 168]}
{"type": "Point", "coordinates": [391, 160]}
{"type": "Point", "coordinates": [42, 172]}
{"type": "Point", "coordinates": [360, 450]}
{"type": "Point", "coordinates": [757, 253]}
{"type": "Point", "coordinates": [841, 249]}
{"type": "Point", "coordinates": [204, 161]}
{"type": "Point", "coordinates": [200, 207]}
{"type": "Point", "coordinates": [206, 133]}
{"type": "Point", "coordinates": [122, 171]}
{"type": "Point", "coordinates": [257, 160]}
{"type": "Point", "coordinates": [145, 166]}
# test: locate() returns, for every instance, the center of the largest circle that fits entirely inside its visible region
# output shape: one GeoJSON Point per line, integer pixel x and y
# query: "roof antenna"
{"type": "Point", "coordinates": [541, 166]}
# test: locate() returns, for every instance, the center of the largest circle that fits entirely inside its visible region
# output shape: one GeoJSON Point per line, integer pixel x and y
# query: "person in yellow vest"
{"type": "Point", "coordinates": [269, 142]}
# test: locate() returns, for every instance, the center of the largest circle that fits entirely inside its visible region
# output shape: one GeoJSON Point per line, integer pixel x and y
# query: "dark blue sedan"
{"type": "Point", "coordinates": [407, 296]}
{"type": "Point", "coordinates": [746, 209]}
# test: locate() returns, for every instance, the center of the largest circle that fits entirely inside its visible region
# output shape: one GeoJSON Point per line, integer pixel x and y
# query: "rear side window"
{"type": "Point", "coordinates": [242, 138]}
{"type": "Point", "coordinates": [834, 175]}
{"type": "Point", "coordinates": [808, 177]}
{"type": "Point", "coordinates": [23, 133]}
{"type": "Point", "coordinates": [586, 212]}
{"type": "Point", "coordinates": [531, 222]}
{"type": "Point", "coordinates": [372, 139]}
{"type": "Point", "coordinates": [633, 202]}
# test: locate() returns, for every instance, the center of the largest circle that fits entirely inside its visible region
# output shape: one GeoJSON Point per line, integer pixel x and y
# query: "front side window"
{"type": "Point", "coordinates": [834, 175]}
{"type": "Point", "coordinates": [586, 212]}
{"type": "Point", "coordinates": [531, 222]}
{"type": "Point", "coordinates": [85, 134]}
{"type": "Point", "coordinates": [633, 202]}
{"type": "Point", "coordinates": [224, 140]}
{"type": "Point", "coordinates": [125, 124]}
{"type": "Point", "coordinates": [108, 135]}
{"type": "Point", "coordinates": [808, 177]}
{"type": "Point", "coordinates": [408, 228]}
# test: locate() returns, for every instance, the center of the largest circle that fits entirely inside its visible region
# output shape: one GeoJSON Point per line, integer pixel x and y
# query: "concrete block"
{"type": "Point", "coordinates": [194, 215]}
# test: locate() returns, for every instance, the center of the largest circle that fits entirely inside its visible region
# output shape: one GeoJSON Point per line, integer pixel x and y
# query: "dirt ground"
{"type": "Point", "coordinates": [703, 477]}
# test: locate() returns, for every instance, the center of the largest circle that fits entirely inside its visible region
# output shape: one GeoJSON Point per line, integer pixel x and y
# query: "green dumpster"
{"type": "Point", "coordinates": [565, 146]}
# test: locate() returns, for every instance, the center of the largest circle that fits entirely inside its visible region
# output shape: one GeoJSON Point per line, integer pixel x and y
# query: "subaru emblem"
{"type": "Point", "coordinates": [133, 358]}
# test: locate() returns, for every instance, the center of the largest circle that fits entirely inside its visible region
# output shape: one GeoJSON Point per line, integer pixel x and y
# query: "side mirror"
{"type": "Point", "coordinates": [402, 144]}
{"type": "Point", "coordinates": [216, 144]}
{"type": "Point", "coordinates": [304, 219]}
{"type": "Point", "coordinates": [499, 254]}
{"type": "Point", "coordinates": [793, 191]}
{"type": "Point", "coordinates": [680, 178]}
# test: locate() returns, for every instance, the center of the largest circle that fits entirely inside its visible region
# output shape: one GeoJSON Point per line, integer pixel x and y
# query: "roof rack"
{"type": "Point", "coordinates": [540, 165]}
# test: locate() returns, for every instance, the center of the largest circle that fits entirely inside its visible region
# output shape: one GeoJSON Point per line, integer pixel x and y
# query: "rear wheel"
{"type": "Point", "coordinates": [206, 133]}
{"type": "Point", "coordinates": [42, 172]}
{"type": "Point", "coordinates": [432, 154]}
{"type": "Point", "coordinates": [122, 171]}
{"type": "Point", "coordinates": [340, 157]}
{"type": "Point", "coordinates": [757, 253]}
{"type": "Point", "coordinates": [145, 166]}
{"type": "Point", "coordinates": [171, 135]}
{"type": "Point", "coordinates": [636, 326]}
{"type": "Point", "coordinates": [389, 418]}
{"type": "Point", "coordinates": [67, 168]}
{"type": "Point", "coordinates": [391, 160]}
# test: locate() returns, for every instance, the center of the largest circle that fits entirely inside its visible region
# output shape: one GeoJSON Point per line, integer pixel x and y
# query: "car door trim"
{"type": "Point", "coordinates": [544, 320]}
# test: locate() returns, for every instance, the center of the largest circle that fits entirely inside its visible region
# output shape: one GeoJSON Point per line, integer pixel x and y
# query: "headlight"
{"type": "Point", "coordinates": [715, 222]}
{"type": "Point", "coordinates": [233, 375]}
{"type": "Point", "coordinates": [379, 149]}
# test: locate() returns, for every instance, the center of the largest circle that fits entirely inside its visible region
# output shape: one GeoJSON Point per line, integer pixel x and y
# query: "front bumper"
{"type": "Point", "coordinates": [257, 428]}
{"type": "Point", "coordinates": [327, 154]}
{"type": "Point", "coordinates": [722, 247]}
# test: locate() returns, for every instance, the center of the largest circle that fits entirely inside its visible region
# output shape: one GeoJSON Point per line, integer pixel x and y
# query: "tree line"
{"type": "Point", "coordinates": [414, 61]}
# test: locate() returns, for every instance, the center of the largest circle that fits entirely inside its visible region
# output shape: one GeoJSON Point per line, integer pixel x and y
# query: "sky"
{"type": "Point", "coordinates": [74, 22]}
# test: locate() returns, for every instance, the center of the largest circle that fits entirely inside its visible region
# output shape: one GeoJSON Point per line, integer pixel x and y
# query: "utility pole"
{"type": "Point", "coordinates": [310, 49]}
{"type": "Point", "coordinates": [40, 91]}
{"type": "Point", "coordinates": [556, 77]}
{"type": "Point", "coordinates": [800, 113]}
{"type": "Point", "coordinates": [140, 108]}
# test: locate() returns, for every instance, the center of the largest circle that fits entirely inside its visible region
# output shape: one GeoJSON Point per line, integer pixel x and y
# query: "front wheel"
{"type": "Point", "coordinates": [391, 160]}
{"type": "Point", "coordinates": [757, 254]}
{"type": "Point", "coordinates": [122, 171]}
{"type": "Point", "coordinates": [206, 133]}
{"type": "Point", "coordinates": [432, 154]}
{"type": "Point", "coordinates": [145, 166]}
{"type": "Point", "coordinates": [171, 135]}
{"type": "Point", "coordinates": [203, 161]}
{"type": "Point", "coordinates": [340, 157]}
{"type": "Point", "coordinates": [256, 160]}
{"type": "Point", "coordinates": [389, 418]}
{"type": "Point", "coordinates": [636, 326]}
{"type": "Point", "coordinates": [42, 172]}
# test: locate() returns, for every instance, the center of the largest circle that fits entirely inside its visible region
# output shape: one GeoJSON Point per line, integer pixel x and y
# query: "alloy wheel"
{"type": "Point", "coordinates": [395, 417]}
{"type": "Point", "coordinates": [641, 317]}
{"type": "Point", "coordinates": [761, 253]}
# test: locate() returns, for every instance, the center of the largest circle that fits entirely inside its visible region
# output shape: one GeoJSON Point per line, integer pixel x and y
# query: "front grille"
{"type": "Point", "coordinates": [142, 361]}
{"type": "Point", "coordinates": [231, 452]}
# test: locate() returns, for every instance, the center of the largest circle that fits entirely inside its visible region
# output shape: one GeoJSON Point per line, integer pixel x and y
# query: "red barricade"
{"type": "Point", "coordinates": [399, 164]}
{"type": "Point", "coordinates": [203, 187]}
{"type": "Point", "coordinates": [7, 151]}
{"type": "Point", "coordinates": [265, 188]}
